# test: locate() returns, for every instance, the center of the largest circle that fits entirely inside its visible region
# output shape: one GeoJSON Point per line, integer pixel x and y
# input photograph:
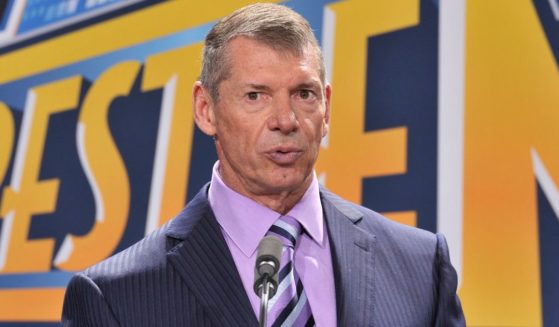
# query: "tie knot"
{"type": "Point", "coordinates": [287, 229]}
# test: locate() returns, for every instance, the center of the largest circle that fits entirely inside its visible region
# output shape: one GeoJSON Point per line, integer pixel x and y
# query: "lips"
{"type": "Point", "coordinates": [284, 155]}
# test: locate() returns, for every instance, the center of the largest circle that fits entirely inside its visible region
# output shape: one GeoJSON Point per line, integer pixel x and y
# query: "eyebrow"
{"type": "Point", "coordinates": [259, 87]}
{"type": "Point", "coordinates": [309, 85]}
{"type": "Point", "coordinates": [305, 85]}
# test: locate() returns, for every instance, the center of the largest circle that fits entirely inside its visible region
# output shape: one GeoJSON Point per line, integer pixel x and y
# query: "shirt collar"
{"type": "Point", "coordinates": [246, 221]}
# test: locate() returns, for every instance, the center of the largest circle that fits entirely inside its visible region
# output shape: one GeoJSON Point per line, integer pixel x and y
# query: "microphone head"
{"type": "Point", "coordinates": [267, 264]}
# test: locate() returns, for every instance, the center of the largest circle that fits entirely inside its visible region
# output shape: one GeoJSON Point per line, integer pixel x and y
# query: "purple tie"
{"type": "Point", "coordinates": [289, 306]}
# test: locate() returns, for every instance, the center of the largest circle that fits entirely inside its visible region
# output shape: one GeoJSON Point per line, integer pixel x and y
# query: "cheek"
{"type": "Point", "coordinates": [314, 128]}
{"type": "Point", "coordinates": [237, 138]}
{"type": "Point", "coordinates": [229, 126]}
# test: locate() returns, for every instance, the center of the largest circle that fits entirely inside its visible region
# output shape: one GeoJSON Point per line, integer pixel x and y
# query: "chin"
{"type": "Point", "coordinates": [290, 182]}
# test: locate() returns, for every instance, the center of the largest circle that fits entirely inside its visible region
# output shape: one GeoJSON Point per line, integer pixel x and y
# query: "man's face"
{"type": "Point", "coordinates": [272, 113]}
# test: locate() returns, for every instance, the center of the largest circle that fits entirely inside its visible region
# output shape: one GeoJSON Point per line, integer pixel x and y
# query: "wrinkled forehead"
{"type": "Point", "coordinates": [310, 53]}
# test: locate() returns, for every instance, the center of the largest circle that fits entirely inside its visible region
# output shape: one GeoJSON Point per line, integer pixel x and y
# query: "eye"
{"type": "Point", "coordinates": [253, 96]}
{"type": "Point", "coordinates": [305, 94]}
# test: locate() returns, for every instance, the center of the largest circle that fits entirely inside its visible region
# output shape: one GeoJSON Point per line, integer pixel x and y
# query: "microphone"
{"type": "Point", "coordinates": [266, 272]}
{"type": "Point", "coordinates": [267, 264]}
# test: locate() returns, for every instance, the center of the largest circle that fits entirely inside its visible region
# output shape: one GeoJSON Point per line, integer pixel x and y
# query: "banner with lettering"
{"type": "Point", "coordinates": [445, 117]}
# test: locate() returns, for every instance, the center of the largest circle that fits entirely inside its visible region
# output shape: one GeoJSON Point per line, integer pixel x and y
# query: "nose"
{"type": "Point", "coordinates": [283, 117]}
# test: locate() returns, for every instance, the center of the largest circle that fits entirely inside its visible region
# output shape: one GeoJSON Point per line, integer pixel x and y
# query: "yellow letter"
{"type": "Point", "coordinates": [104, 169]}
{"type": "Point", "coordinates": [512, 102]}
{"type": "Point", "coordinates": [173, 71]}
{"type": "Point", "coordinates": [26, 195]}
{"type": "Point", "coordinates": [352, 154]}
{"type": "Point", "coordinates": [6, 138]}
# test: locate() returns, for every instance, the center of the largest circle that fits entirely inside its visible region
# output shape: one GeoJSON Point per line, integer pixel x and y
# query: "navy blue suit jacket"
{"type": "Point", "coordinates": [386, 274]}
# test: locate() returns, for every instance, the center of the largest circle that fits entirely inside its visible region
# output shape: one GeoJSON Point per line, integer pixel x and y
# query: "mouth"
{"type": "Point", "coordinates": [284, 156]}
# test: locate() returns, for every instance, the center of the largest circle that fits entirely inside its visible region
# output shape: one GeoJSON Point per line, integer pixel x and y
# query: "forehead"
{"type": "Point", "coordinates": [248, 55]}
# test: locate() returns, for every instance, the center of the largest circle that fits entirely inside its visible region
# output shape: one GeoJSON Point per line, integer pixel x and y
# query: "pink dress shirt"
{"type": "Point", "coordinates": [244, 223]}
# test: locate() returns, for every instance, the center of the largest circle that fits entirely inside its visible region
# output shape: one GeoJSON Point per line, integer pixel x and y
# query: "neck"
{"type": "Point", "coordinates": [281, 201]}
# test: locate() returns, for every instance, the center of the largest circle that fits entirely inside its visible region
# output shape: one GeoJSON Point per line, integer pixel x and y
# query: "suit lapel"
{"type": "Point", "coordinates": [205, 264]}
{"type": "Point", "coordinates": [353, 260]}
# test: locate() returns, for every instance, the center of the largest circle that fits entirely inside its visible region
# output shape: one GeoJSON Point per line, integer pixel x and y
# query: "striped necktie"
{"type": "Point", "coordinates": [289, 306]}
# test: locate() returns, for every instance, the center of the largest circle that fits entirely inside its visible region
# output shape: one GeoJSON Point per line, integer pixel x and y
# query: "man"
{"type": "Point", "coordinates": [262, 96]}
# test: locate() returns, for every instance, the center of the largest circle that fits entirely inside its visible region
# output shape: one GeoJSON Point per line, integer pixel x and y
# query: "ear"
{"type": "Point", "coordinates": [203, 106]}
{"type": "Point", "coordinates": [327, 108]}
